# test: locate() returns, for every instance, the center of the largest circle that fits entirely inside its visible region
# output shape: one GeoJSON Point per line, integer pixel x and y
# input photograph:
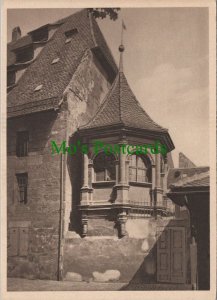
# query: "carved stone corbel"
{"type": "Point", "coordinates": [84, 223]}
{"type": "Point", "coordinates": [122, 218]}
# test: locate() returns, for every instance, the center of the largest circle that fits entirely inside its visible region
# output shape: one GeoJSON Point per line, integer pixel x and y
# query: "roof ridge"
{"type": "Point", "coordinates": [64, 20]}
{"type": "Point", "coordinates": [119, 97]}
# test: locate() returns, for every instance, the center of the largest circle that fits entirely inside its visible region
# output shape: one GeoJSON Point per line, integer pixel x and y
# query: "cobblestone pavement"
{"type": "Point", "coordinates": [21, 284]}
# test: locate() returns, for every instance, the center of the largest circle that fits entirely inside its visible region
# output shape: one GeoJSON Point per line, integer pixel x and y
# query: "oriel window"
{"type": "Point", "coordinates": [22, 143]}
{"type": "Point", "coordinates": [22, 180]}
{"type": "Point", "coordinates": [104, 167]}
{"type": "Point", "coordinates": [139, 169]}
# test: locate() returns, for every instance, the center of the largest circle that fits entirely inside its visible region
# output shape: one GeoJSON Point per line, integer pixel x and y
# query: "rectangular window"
{"type": "Point", "coordinates": [22, 180]}
{"type": "Point", "coordinates": [100, 175]}
{"type": "Point", "coordinates": [141, 175]}
{"type": "Point", "coordinates": [137, 169]}
{"type": "Point", "coordinates": [132, 174]}
{"type": "Point", "coordinates": [22, 143]}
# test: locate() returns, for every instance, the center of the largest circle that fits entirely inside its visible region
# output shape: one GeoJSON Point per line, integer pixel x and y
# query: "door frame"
{"type": "Point", "coordinates": [168, 278]}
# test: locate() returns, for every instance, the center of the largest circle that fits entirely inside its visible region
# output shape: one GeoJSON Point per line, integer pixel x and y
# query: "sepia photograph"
{"type": "Point", "coordinates": [108, 163]}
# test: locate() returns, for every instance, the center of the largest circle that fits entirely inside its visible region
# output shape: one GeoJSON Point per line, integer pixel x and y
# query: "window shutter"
{"type": "Point", "coordinates": [23, 245]}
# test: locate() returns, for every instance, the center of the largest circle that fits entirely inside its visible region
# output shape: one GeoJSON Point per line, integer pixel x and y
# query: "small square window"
{"type": "Point", "coordinates": [55, 60]}
{"type": "Point", "coordinates": [22, 180]}
{"type": "Point", "coordinates": [71, 32]}
{"type": "Point", "coordinates": [38, 88]}
{"type": "Point", "coordinates": [22, 143]}
{"type": "Point", "coordinates": [68, 40]}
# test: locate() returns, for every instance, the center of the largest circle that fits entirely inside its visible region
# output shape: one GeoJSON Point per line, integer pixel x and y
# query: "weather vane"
{"type": "Point", "coordinates": [121, 47]}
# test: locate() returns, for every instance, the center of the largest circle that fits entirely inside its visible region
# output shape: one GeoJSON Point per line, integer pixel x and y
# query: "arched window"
{"type": "Point", "coordinates": [104, 167]}
{"type": "Point", "coordinates": [139, 169]}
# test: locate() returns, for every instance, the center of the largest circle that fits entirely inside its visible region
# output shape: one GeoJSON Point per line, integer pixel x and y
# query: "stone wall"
{"type": "Point", "coordinates": [102, 256]}
{"type": "Point", "coordinates": [36, 225]}
{"type": "Point", "coordinates": [42, 210]}
{"type": "Point", "coordinates": [85, 92]}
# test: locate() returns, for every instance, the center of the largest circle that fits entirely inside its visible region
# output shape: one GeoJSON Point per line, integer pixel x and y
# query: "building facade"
{"type": "Point", "coordinates": [85, 216]}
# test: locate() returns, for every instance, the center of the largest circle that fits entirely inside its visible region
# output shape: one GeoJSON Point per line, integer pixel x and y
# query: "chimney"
{"type": "Point", "coordinates": [16, 34]}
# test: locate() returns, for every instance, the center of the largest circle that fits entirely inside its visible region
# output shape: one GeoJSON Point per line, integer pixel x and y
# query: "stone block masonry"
{"type": "Point", "coordinates": [108, 258]}
{"type": "Point", "coordinates": [35, 253]}
{"type": "Point", "coordinates": [34, 227]}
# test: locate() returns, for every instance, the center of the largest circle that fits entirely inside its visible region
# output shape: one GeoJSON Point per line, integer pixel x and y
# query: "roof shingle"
{"type": "Point", "coordinates": [121, 107]}
{"type": "Point", "coordinates": [55, 77]}
{"type": "Point", "coordinates": [184, 176]}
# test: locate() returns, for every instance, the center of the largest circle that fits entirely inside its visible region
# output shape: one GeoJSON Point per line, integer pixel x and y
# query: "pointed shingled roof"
{"type": "Point", "coordinates": [121, 107]}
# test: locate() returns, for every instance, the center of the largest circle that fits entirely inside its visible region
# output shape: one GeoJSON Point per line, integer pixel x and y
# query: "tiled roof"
{"type": "Point", "coordinates": [121, 107]}
{"type": "Point", "coordinates": [197, 180]}
{"type": "Point", "coordinates": [55, 77]}
{"type": "Point", "coordinates": [187, 176]}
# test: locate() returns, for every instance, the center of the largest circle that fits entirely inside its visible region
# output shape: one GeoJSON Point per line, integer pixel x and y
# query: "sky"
{"type": "Point", "coordinates": [165, 62]}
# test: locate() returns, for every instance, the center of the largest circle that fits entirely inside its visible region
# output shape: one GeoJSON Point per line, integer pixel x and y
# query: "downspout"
{"type": "Point", "coordinates": [60, 246]}
{"type": "Point", "coordinates": [193, 251]}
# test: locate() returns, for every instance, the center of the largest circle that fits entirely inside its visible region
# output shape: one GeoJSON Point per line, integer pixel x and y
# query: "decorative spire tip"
{"type": "Point", "coordinates": [121, 48]}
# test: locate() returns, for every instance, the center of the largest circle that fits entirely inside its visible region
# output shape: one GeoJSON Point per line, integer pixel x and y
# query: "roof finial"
{"type": "Point", "coordinates": [121, 47]}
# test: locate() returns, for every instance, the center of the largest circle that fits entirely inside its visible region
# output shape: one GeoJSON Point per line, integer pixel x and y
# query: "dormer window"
{"type": "Point", "coordinates": [40, 35]}
{"type": "Point", "coordinates": [11, 78]}
{"type": "Point", "coordinates": [55, 60]}
{"type": "Point", "coordinates": [38, 88]}
{"type": "Point", "coordinates": [24, 54]}
{"type": "Point", "coordinates": [69, 34]}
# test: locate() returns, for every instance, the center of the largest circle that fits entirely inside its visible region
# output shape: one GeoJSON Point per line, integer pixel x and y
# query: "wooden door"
{"type": "Point", "coordinates": [178, 261]}
{"type": "Point", "coordinates": [163, 255]}
{"type": "Point", "coordinates": [171, 263]}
